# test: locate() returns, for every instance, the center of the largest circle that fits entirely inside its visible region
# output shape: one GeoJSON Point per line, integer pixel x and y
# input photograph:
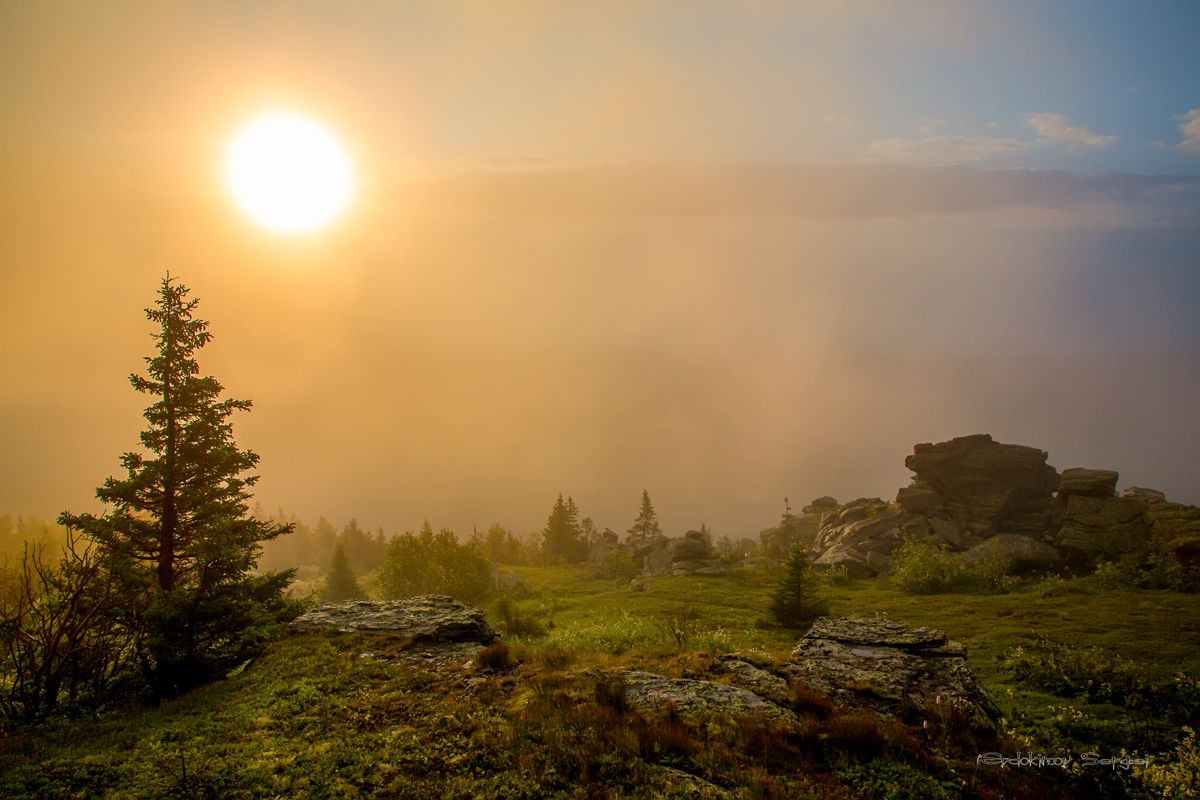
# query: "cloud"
{"type": "Point", "coordinates": [1191, 132]}
{"type": "Point", "coordinates": [944, 149]}
{"type": "Point", "coordinates": [1058, 128]}
{"type": "Point", "coordinates": [864, 191]}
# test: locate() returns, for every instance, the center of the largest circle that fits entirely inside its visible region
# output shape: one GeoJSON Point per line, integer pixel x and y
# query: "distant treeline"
{"type": "Point", "coordinates": [351, 561]}
{"type": "Point", "coordinates": [354, 562]}
{"type": "Point", "coordinates": [313, 545]}
{"type": "Point", "coordinates": [19, 531]}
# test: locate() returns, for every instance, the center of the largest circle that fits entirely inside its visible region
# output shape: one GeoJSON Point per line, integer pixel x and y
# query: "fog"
{"type": "Point", "coordinates": [465, 347]}
{"type": "Point", "coordinates": [727, 253]}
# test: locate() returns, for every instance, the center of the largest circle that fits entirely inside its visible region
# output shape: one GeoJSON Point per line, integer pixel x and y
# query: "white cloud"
{"type": "Point", "coordinates": [1191, 132]}
{"type": "Point", "coordinates": [1058, 128]}
{"type": "Point", "coordinates": [945, 149]}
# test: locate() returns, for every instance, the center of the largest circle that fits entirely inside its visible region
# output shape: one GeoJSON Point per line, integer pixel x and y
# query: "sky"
{"type": "Point", "coordinates": [726, 252]}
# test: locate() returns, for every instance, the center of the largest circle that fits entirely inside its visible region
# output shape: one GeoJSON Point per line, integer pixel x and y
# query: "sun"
{"type": "Point", "coordinates": [288, 173]}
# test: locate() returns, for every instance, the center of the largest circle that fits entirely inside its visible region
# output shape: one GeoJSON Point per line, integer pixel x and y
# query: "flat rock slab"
{"type": "Point", "coordinates": [873, 631]}
{"type": "Point", "coordinates": [425, 618]}
{"type": "Point", "coordinates": [762, 683]}
{"type": "Point", "coordinates": [696, 700]}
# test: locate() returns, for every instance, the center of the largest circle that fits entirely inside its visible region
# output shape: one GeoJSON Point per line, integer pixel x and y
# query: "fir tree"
{"type": "Point", "coordinates": [340, 581]}
{"type": "Point", "coordinates": [178, 539]}
{"type": "Point", "coordinates": [563, 535]}
{"type": "Point", "coordinates": [796, 601]}
{"type": "Point", "coordinates": [645, 530]}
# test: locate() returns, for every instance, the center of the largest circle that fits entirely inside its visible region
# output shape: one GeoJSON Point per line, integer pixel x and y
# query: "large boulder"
{"type": "Point", "coordinates": [608, 545]}
{"type": "Point", "coordinates": [657, 558]}
{"type": "Point", "coordinates": [846, 557]}
{"type": "Point", "coordinates": [986, 487]}
{"type": "Point", "coordinates": [919, 499]}
{"type": "Point", "coordinates": [1082, 482]}
{"type": "Point", "coordinates": [1147, 496]}
{"type": "Point", "coordinates": [430, 618]}
{"type": "Point", "coordinates": [889, 668]}
{"type": "Point", "coordinates": [1095, 527]}
{"type": "Point", "coordinates": [690, 555]}
{"type": "Point", "coordinates": [821, 505]}
{"type": "Point", "coordinates": [1022, 554]}
{"type": "Point", "coordinates": [861, 537]}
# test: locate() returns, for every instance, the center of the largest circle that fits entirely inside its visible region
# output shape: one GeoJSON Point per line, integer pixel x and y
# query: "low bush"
{"type": "Point", "coordinates": [495, 658]}
{"type": "Point", "coordinates": [515, 622]}
{"type": "Point", "coordinates": [836, 576]}
{"type": "Point", "coordinates": [921, 567]}
{"type": "Point", "coordinates": [679, 624]}
{"type": "Point", "coordinates": [992, 572]}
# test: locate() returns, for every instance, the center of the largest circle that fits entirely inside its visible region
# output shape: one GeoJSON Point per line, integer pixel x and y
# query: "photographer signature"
{"type": "Point", "coordinates": [1041, 760]}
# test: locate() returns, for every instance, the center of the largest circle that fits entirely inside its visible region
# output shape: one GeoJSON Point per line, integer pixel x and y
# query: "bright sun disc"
{"type": "Point", "coordinates": [288, 173]}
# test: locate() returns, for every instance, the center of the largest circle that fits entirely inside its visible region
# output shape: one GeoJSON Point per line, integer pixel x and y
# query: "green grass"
{"type": "Point", "coordinates": [1158, 632]}
{"type": "Point", "coordinates": [337, 716]}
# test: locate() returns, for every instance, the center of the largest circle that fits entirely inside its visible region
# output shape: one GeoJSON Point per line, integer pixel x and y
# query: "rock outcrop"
{"type": "Point", "coordinates": [1095, 527]}
{"type": "Point", "coordinates": [1081, 482]}
{"type": "Point", "coordinates": [972, 491]}
{"type": "Point", "coordinates": [821, 505]}
{"type": "Point", "coordinates": [985, 487]}
{"type": "Point", "coordinates": [690, 555]}
{"type": "Point", "coordinates": [859, 663]}
{"type": "Point", "coordinates": [431, 618]}
{"type": "Point", "coordinates": [887, 667]}
{"type": "Point", "coordinates": [860, 537]}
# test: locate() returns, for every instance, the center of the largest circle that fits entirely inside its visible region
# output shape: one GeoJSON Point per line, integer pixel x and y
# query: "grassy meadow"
{"type": "Point", "coordinates": [351, 716]}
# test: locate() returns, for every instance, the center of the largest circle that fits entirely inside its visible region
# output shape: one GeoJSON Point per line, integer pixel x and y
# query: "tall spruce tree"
{"type": "Point", "coordinates": [796, 601]}
{"type": "Point", "coordinates": [645, 530]}
{"type": "Point", "coordinates": [178, 538]}
{"type": "Point", "coordinates": [340, 581]}
{"type": "Point", "coordinates": [562, 538]}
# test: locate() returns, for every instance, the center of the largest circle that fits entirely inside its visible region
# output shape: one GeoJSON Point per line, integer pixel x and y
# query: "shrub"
{"type": "Point", "coordinates": [555, 659]}
{"type": "Point", "coordinates": [857, 734]}
{"type": "Point", "coordinates": [836, 576]}
{"type": "Point", "coordinates": [1054, 586]}
{"type": "Point", "coordinates": [679, 624]}
{"type": "Point", "coordinates": [515, 623]}
{"type": "Point", "coordinates": [886, 780]}
{"type": "Point", "coordinates": [1178, 777]}
{"type": "Point", "coordinates": [991, 571]}
{"type": "Point", "coordinates": [811, 702]}
{"type": "Point", "coordinates": [618, 564]}
{"type": "Point", "coordinates": [495, 658]}
{"type": "Point", "coordinates": [921, 567]}
{"type": "Point", "coordinates": [1095, 674]}
{"type": "Point", "coordinates": [610, 693]}
{"type": "Point", "coordinates": [1153, 569]}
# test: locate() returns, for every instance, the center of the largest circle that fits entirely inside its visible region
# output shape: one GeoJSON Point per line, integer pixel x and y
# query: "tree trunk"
{"type": "Point", "coordinates": [166, 544]}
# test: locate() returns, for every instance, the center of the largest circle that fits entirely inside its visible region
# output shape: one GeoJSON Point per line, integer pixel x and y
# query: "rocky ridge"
{"type": "Point", "coordinates": [975, 496]}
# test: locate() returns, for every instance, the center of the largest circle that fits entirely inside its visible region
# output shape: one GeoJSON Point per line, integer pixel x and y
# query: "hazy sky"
{"type": "Point", "coordinates": [721, 251]}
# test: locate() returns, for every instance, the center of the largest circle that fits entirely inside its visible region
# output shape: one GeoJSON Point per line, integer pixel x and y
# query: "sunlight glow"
{"type": "Point", "coordinates": [288, 173]}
